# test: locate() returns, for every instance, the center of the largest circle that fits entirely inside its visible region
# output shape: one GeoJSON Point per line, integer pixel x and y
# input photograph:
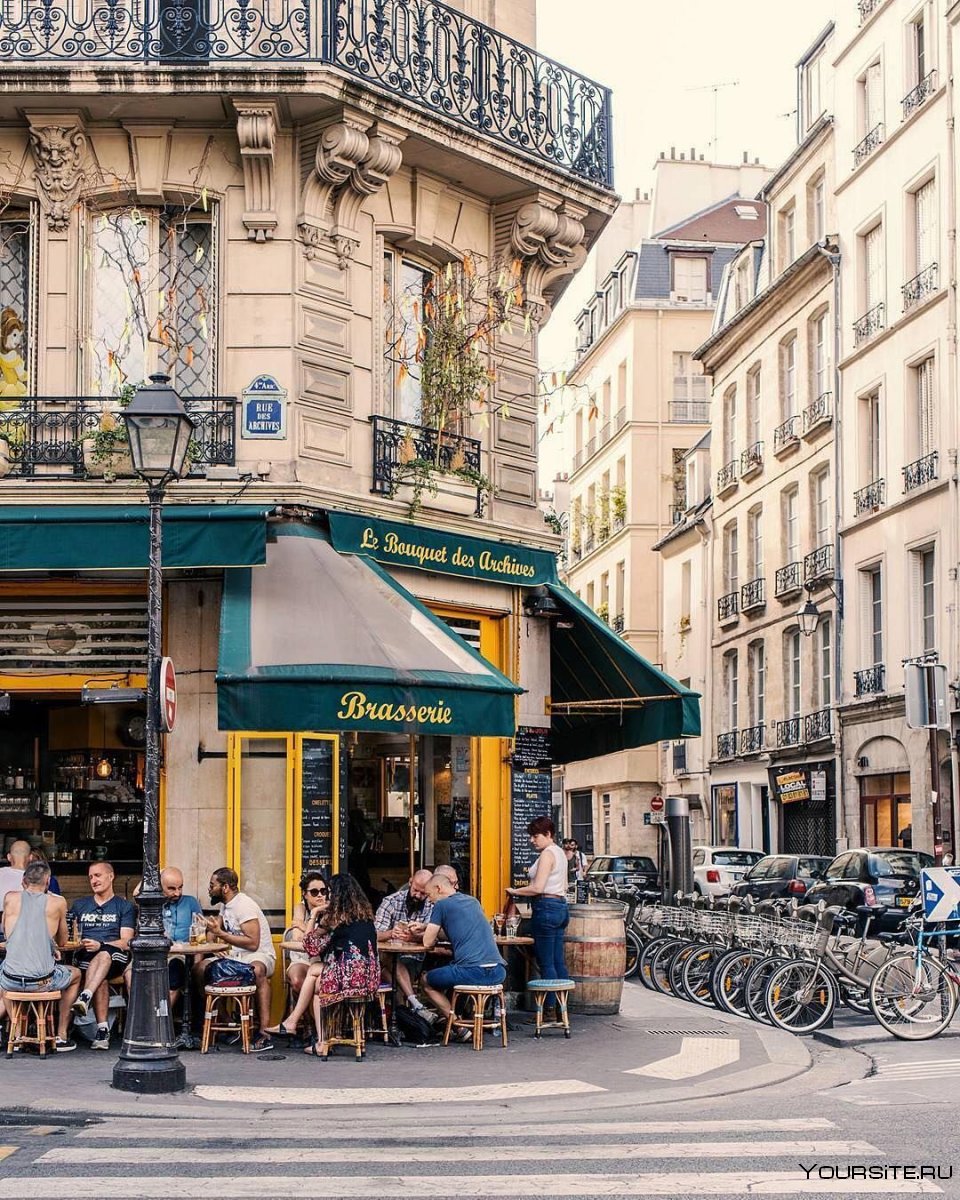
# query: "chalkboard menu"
{"type": "Point", "coordinates": [316, 806]}
{"type": "Point", "coordinates": [531, 795]}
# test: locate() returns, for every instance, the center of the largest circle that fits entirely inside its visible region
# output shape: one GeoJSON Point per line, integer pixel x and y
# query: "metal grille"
{"type": "Point", "coordinates": [14, 306]}
{"type": "Point", "coordinates": [187, 280]}
{"type": "Point", "coordinates": [73, 635]}
{"type": "Point", "coordinates": [808, 828]}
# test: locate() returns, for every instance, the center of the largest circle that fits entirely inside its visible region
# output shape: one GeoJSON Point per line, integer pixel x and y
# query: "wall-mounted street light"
{"type": "Point", "coordinates": [808, 617]}
{"type": "Point", "coordinates": [159, 431]}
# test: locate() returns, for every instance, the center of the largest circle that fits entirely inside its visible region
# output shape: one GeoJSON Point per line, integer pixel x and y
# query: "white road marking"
{"type": "Point", "coordinates": [174, 1155]}
{"type": "Point", "coordinates": [341, 1097]}
{"type": "Point", "coordinates": [696, 1056]}
{"type": "Point", "coordinates": [914, 1069]}
{"type": "Point", "coordinates": [346, 1187]}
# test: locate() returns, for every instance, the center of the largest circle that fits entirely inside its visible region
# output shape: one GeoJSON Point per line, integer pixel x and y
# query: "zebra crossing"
{"type": "Point", "coordinates": [329, 1159]}
{"type": "Point", "coordinates": [935, 1068]}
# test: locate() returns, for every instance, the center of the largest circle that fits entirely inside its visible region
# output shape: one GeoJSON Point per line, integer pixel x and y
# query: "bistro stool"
{"type": "Point", "coordinates": [31, 1020]}
{"type": "Point", "coordinates": [215, 1018]}
{"type": "Point", "coordinates": [383, 1029]}
{"type": "Point", "coordinates": [541, 988]}
{"type": "Point", "coordinates": [478, 1021]}
{"type": "Point", "coordinates": [336, 1021]}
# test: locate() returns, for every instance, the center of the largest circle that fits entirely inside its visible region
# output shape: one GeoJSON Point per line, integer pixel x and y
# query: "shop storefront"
{"type": "Point", "coordinates": [805, 795]}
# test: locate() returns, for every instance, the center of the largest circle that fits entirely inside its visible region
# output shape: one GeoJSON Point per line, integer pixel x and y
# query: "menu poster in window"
{"type": "Point", "coordinates": [316, 806]}
{"type": "Point", "coordinates": [531, 795]}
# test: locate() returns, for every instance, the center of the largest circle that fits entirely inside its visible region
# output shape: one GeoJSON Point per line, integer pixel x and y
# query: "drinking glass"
{"type": "Point", "coordinates": [513, 926]}
{"type": "Point", "coordinates": [498, 923]}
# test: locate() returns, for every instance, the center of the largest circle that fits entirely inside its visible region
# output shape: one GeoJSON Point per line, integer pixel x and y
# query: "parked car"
{"type": "Point", "coordinates": [635, 869]}
{"type": "Point", "coordinates": [884, 878]}
{"type": "Point", "coordinates": [717, 868]}
{"type": "Point", "coordinates": [782, 875]}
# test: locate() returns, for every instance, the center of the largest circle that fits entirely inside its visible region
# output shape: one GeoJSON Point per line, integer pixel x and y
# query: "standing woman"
{"type": "Point", "coordinates": [547, 890]}
{"type": "Point", "coordinates": [313, 889]}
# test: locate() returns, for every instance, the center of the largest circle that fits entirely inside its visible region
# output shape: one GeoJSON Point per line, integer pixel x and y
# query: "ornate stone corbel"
{"type": "Point", "coordinates": [548, 238]}
{"type": "Point", "coordinates": [59, 146]}
{"type": "Point", "coordinates": [257, 124]}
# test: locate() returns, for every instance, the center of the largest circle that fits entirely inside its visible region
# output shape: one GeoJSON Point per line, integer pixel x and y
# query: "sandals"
{"type": "Point", "coordinates": [281, 1031]}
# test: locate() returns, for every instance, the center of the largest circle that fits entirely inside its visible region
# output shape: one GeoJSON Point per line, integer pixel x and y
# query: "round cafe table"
{"type": "Point", "coordinates": [186, 1040]}
{"type": "Point", "coordinates": [396, 948]}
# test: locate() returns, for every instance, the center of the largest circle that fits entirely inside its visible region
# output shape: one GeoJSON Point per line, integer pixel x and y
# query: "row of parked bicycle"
{"type": "Point", "coordinates": [790, 965]}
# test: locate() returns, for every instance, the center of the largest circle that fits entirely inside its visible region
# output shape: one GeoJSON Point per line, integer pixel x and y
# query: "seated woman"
{"type": "Point", "coordinates": [313, 889]}
{"type": "Point", "coordinates": [343, 951]}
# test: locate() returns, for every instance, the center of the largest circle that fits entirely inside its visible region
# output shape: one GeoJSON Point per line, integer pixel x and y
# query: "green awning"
{"type": "Point", "coordinates": [321, 641]}
{"type": "Point", "coordinates": [115, 537]}
{"type": "Point", "coordinates": [604, 695]}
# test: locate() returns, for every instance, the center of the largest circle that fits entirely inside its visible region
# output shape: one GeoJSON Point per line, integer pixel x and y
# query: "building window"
{"type": "Point", "coordinates": [824, 652]}
{"type": "Point", "coordinates": [152, 298]}
{"type": "Point", "coordinates": [923, 567]}
{"type": "Point", "coordinates": [871, 593]}
{"type": "Point", "coordinates": [758, 682]}
{"type": "Point", "coordinates": [742, 296]}
{"type": "Point", "coordinates": [870, 437]}
{"type": "Point", "coordinates": [620, 588]}
{"type": "Point", "coordinates": [15, 331]}
{"type": "Point", "coordinates": [729, 425]}
{"type": "Point", "coordinates": [791, 523]}
{"type": "Point", "coordinates": [816, 205]}
{"type": "Point", "coordinates": [812, 91]}
{"type": "Point", "coordinates": [686, 587]}
{"type": "Point", "coordinates": [405, 285]}
{"type": "Point", "coordinates": [754, 406]}
{"type": "Point", "coordinates": [731, 683]}
{"type": "Point", "coordinates": [755, 535]}
{"type": "Point", "coordinates": [918, 50]}
{"type": "Point", "coordinates": [689, 381]}
{"type": "Point", "coordinates": [820, 505]}
{"type": "Point", "coordinates": [925, 247]}
{"type": "Point", "coordinates": [925, 407]}
{"type": "Point", "coordinates": [819, 356]}
{"type": "Point", "coordinates": [871, 245]}
{"type": "Point", "coordinates": [787, 229]}
{"type": "Point", "coordinates": [731, 558]}
{"type": "Point", "coordinates": [689, 279]}
{"type": "Point", "coordinates": [791, 660]}
{"type": "Point", "coordinates": [788, 378]}
{"type": "Point", "coordinates": [871, 99]}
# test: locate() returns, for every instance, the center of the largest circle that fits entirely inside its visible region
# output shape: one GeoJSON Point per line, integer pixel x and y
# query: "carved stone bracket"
{"type": "Point", "coordinates": [354, 159]}
{"type": "Point", "coordinates": [257, 124]}
{"type": "Point", "coordinates": [547, 235]}
{"type": "Point", "coordinates": [59, 147]}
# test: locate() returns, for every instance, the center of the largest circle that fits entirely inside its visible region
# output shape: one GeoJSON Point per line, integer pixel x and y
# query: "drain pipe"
{"type": "Point", "coordinates": [953, 533]}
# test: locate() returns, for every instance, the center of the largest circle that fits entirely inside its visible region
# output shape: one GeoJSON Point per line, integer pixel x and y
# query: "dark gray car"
{"type": "Point", "coordinates": [782, 875]}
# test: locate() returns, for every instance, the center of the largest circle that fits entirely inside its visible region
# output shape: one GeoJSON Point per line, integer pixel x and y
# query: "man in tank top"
{"type": "Point", "coordinates": [35, 924]}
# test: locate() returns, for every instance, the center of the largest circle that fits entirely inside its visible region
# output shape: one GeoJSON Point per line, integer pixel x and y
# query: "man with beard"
{"type": "Point", "coordinates": [402, 917]}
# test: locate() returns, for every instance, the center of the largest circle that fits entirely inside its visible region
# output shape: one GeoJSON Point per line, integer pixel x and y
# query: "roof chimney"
{"type": "Point", "coordinates": [746, 157]}
{"type": "Point", "coordinates": [673, 152]}
{"type": "Point", "coordinates": [693, 154]}
{"type": "Point", "coordinates": [683, 157]}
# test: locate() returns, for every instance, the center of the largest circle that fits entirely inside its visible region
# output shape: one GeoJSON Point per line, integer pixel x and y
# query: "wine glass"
{"type": "Point", "coordinates": [498, 923]}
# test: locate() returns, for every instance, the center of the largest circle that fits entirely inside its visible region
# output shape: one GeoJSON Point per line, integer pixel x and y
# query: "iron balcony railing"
{"type": "Point", "coordinates": [727, 476]}
{"type": "Point", "coordinates": [66, 437]}
{"type": "Point", "coordinates": [619, 420]}
{"type": "Point", "coordinates": [817, 725]}
{"type": "Point", "coordinates": [589, 540]}
{"type": "Point", "coordinates": [786, 434]}
{"type": "Point", "coordinates": [788, 732]}
{"type": "Point", "coordinates": [818, 564]}
{"type": "Point", "coordinates": [870, 498]}
{"type": "Point", "coordinates": [676, 513]}
{"type": "Point", "coordinates": [679, 758]}
{"type": "Point", "coordinates": [919, 95]}
{"type": "Point", "coordinates": [871, 142]}
{"type": "Point", "coordinates": [401, 449]}
{"type": "Point", "coordinates": [923, 284]}
{"type": "Point", "coordinates": [727, 744]}
{"type": "Point", "coordinates": [872, 322]}
{"type": "Point", "coordinates": [618, 522]}
{"type": "Point", "coordinates": [924, 470]}
{"type": "Point", "coordinates": [617, 624]}
{"type": "Point", "coordinates": [752, 595]}
{"type": "Point", "coordinates": [578, 460]}
{"type": "Point", "coordinates": [689, 412]}
{"type": "Point", "coordinates": [788, 579]}
{"type": "Point", "coordinates": [866, 7]}
{"type": "Point", "coordinates": [869, 681]}
{"type": "Point", "coordinates": [751, 740]}
{"type": "Point", "coordinates": [727, 606]}
{"type": "Point", "coordinates": [818, 413]}
{"type": "Point", "coordinates": [423, 52]}
{"type": "Point", "coordinates": [751, 459]}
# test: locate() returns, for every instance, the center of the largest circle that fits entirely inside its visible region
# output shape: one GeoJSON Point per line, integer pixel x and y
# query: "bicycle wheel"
{"type": "Point", "coordinates": [728, 978]}
{"type": "Point", "coordinates": [647, 955]}
{"type": "Point", "coordinates": [660, 966]}
{"type": "Point", "coordinates": [676, 967]}
{"type": "Point", "coordinates": [913, 998]}
{"type": "Point", "coordinates": [755, 987]}
{"type": "Point", "coordinates": [634, 950]}
{"type": "Point", "coordinates": [800, 996]}
{"type": "Point", "coordinates": [696, 973]}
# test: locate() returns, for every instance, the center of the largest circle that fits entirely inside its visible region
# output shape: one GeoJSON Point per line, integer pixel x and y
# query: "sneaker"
{"type": "Point", "coordinates": [102, 1040]}
{"type": "Point", "coordinates": [81, 1006]}
{"type": "Point", "coordinates": [62, 1046]}
{"type": "Point", "coordinates": [428, 1014]}
{"type": "Point", "coordinates": [463, 1035]}
{"type": "Point", "coordinates": [262, 1043]}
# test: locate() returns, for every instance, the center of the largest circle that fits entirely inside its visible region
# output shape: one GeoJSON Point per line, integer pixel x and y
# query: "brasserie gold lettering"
{"type": "Point", "coordinates": [356, 707]}
{"type": "Point", "coordinates": [440, 556]}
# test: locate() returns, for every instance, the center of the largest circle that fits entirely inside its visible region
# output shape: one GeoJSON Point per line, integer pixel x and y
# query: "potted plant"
{"type": "Point", "coordinates": [618, 505]}
{"type": "Point", "coordinates": [603, 517]}
{"type": "Point", "coordinates": [603, 612]}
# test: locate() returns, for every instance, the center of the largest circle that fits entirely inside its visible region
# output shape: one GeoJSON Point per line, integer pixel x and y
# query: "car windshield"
{"type": "Point", "coordinates": [808, 867]}
{"type": "Point", "coordinates": [897, 862]}
{"type": "Point", "coordinates": [630, 865]}
{"type": "Point", "coordinates": [736, 858]}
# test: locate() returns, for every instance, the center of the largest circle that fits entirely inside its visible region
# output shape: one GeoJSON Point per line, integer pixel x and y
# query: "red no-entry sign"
{"type": "Point", "coordinates": [656, 804]}
{"type": "Point", "coordinates": [168, 695]}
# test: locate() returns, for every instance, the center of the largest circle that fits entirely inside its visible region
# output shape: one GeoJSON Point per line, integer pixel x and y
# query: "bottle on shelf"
{"type": "Point", "coordinates": [18, 779]}
{"type": "Point", "coordinates": [8, 777]}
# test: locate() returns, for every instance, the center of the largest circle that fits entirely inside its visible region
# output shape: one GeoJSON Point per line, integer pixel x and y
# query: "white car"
{"type": "Point", "coordinates": [717, 868]}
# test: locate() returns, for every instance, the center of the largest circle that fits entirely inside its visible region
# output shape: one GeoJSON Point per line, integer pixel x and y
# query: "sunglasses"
{"type": "Point", "coordinates": [317, 892]}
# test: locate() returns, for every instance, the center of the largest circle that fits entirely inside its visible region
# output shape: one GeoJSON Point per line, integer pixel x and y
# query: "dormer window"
{"type": "Point", "coordinates": [690, 284]}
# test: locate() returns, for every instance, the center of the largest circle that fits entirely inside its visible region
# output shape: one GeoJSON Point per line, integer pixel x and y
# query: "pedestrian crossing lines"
{"type": "Point", "coordinates": [935, 1068]}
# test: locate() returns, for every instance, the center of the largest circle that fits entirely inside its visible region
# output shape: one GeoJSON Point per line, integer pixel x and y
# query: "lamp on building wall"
{"type": "Point", "coordinates": [808, 617]}
{"type": "Point", "coordinates": [159, 431]}
{"type": "Point", "coordinates": [541, 604]}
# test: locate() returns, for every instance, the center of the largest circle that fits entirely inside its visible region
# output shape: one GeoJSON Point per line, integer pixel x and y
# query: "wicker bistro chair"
{"type": "Point", "coordinates": [343, 1024]}
{"type": "Point", "coordinates": [31, 1020]}
{"type": "Point", "coordinates": [541, 988]}
{"type": "Point", "coordinates": [215, 1018]}
{"type": "Point", "coordinates": [477, 1021]}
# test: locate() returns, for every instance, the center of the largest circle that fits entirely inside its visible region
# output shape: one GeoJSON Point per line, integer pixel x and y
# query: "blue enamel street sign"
{"type": "Point", "coordinates": [264, 408]}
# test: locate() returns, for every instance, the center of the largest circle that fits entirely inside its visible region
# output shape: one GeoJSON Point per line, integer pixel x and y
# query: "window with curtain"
{"type": "Point", "coordinates": [872, 98]}
{"type": "Point", "coordinates": [871, 600]}
{"type": "Point", "coordinates": [817, 208]}
{"type": "Point", "coordinates": [923, 571]}
{"type": "Point", "coordinates": [871, 455]}
{"type": "Point", "coordinates": [788, 235]}
{"type": "Point", "coordinates": [729, 425]}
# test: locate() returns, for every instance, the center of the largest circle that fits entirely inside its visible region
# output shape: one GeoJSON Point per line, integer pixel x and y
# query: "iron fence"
{"type": "Point", "coordinates": [401, 450]}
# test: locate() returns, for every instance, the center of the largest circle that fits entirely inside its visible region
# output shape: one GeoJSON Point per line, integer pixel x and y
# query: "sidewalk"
{"type": "Point", "coordinates": [656, 1050]}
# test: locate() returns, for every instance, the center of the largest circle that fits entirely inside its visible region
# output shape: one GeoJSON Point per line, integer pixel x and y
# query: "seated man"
{"type": "Point", "coordinates": [33, 920]}
{"type": "Point", "coordinates": [244, 928]}
{"type": "Point", "coordinates": [402, 917]}
{"type": "Point", "coordinates": [107, 922]}
{"type": "Point", "coordinates": [476, 959]}
{"type": "Point", "coordinates": [11, 876]}
{"type": "Point", "coordinates": [178, 913]}
{"type": "Point", "coordinates": [451, 873]}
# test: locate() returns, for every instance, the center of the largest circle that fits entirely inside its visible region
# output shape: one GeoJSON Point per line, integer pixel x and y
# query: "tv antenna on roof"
{"type": "Point", "coordinates": [715, 88]}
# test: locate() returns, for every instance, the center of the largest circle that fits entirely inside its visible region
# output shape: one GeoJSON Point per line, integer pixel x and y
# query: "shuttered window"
{"type": "Point", "coordinates": [825, 660]}
{"type": "Point", "coordinates": [732, 684]}
{"type": "Point", "coordinates": [822, 533]}
{"type": "Point", "coordinates": [872, 98]}
{"type": "Point", "coordinates": [871, 614]}
{"type": "Point", "coordinates": [788, 378]}
{"type": "Point", "coordinates": [730, 426]}
{"type": "Point", "coordinates": [731, 558]}
{"type": "Point", "coordinates": [819, 358]}
{"type": "Point", "coordinates": [791, 523]}
{"type": "Point", "coordinates": [758, 682]}
{"type": "Point", "coordinates": [923, 587]}
{"type": "Point", "coordinates": [792, 650]}
{"type": "Point", "coordinates": [755, 533]}
{"type": "Point", "coordinates": [925, 225]}
{"type": "Point", "coordinates": [873, 267]}
{"type": "Point", "coordinates": [926, 407]}
{"type": "Point", "coordinates": [753, 406]}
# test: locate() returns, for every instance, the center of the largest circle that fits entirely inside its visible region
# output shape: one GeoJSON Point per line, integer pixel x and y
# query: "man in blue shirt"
{"type": "Point", "coordinates": [106, 925]}
{"type": "Point", "coordinates": [178, 913]}
{"type": "Point", "coordinates": [476, 959]}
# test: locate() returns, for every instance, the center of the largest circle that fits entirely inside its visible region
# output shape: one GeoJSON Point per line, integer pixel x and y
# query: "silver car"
{"type": "Point", "coordinates": [717, 868]}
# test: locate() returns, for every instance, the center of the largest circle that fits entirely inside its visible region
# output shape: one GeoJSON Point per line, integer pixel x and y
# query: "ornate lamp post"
{"type": "Point", "coordinates": [159, 430]}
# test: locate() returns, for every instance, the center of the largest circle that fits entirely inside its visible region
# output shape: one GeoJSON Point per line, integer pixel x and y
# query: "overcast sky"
{"type": "Point", "coordinates": [661, 59]}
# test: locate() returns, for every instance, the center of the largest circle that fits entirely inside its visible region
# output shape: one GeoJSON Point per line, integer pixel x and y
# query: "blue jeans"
{"type": "Point", "coordinates": [550, 918]}
{"type": "Point", "coordinates": [452, 974]}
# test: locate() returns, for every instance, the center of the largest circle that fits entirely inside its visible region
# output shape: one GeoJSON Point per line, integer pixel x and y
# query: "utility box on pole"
{"type": "Point", "coordinates": [925, 685]}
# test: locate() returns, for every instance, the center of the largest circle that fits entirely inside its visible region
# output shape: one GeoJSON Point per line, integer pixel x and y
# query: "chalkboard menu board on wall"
{"type": "Point", "coordinates": [531, 795]}
{"type": "Point", "coordinates": [316, 806]}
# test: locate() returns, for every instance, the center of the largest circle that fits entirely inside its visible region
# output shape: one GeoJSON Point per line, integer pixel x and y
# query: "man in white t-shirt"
{"type": "Point", "coordinates": [11, 877]}
{"type": "Point", "coordinates": [244, 928]}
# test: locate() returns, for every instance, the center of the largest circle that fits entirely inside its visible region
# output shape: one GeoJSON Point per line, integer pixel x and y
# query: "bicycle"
{"type": "Point", "coordinates": [914, 995]}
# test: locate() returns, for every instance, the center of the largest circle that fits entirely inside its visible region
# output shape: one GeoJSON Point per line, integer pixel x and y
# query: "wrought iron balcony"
{"type": "Point", "coordinates": [819, 413]}
{"type": "Point", "coordinates": [751, 460]}
{"type": "Point", "coordinates": [867, 7]}
{"type": "Point", "coordinates": [751, 740]}
{"type": "Point", "coordinates": [689, 412]}
{"type": "Point", "coordinates": [818, 564]}
{"type": "Point", "coordinates": [423, 52]}
{"type": "Point", "coordinates": [578, 460]}
{"type": "Point", "coordinates": [788, 580]}
{"type": "Point", "coordinates": [786, 435]}
{"type": "Point", "coordinates": [589, 541]}
{"type": "Point", "coordinates": [870, 143]}
{"type": "Point", "coordinates": [727, 606]}
{"type": "Point", "coordinates": [618, 522]}
{"type": "Point", "coordinates": [872, 322]}
{"type": "Point", "coordinates": [63, 437]}
{"type": "Point", "coordinates": [727, 476]}
{"type": "Point", "coordinates": [619, 420]}
{"type": "Point", "coordinates": [788, 732]}
{"type": "Point", "coordinates": [752, 595]}
{"type": "Point", "coordinates": [924, 470]}
{"type": "Point", "coordinates": [617, 624]}
{"type": "Point", "coordinates": [869, 681]}
{"type": "Point", "coordinates": [727, 744]}
{"type": "Point", "coordinates": [919, 95]}
{"type": "Point", "coordinates": [868, 499]}
{"type": "Point", "coordinates": [817, 725]}
{"type": "Point", "coordinates": [676, 513]}
{"type": "Point", "coordinates": [401, 450]}
{"type": "Point", "coordinates": [923, 284]}
{"type": "Point", "coordinates": [679, 758]}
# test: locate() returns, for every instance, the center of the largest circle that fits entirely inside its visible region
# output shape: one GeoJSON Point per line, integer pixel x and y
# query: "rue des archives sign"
{"type": "Point", "coordinates": [264, 409]}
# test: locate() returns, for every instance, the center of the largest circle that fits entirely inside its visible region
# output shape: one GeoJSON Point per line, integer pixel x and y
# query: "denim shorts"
{"type": "Point", "coordinates": [457, 973]}
{"type": "Point", "coordinates": [56, 982]}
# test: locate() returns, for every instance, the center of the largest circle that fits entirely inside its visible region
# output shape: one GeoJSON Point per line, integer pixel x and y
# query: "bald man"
{"type": "Point", "coordinates": [403, 916]}
{"type": "Point", "coordinates": [178, 913]}
{"type": "Point", "coordinates": [11, 876]}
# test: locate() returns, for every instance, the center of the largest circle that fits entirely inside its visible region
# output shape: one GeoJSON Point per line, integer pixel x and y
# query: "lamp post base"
{"type": "Point", "coordinates": [152, 1078]}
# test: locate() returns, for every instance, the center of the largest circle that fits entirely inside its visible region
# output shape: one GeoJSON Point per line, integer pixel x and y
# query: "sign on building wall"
{"type": "Point", "coordinates": [264, 409]}
{"type": "Point", "coordinates": [791, 786]}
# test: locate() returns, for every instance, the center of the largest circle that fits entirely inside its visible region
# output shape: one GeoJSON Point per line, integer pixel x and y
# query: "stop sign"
{"type": "Point", "coordinates": [656, 804]}
{"type": "Point", "coordinates": [168, 695]}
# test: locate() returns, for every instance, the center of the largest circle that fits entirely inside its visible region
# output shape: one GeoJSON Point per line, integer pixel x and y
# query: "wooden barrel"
{"type": "Point", "coordinates": [595, 948]}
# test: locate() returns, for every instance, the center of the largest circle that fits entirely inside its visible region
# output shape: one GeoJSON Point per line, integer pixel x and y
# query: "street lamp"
{"type": "Point", "coordinates": [159, 430]}
{"type": "Point", "coordinates": [808, 617]}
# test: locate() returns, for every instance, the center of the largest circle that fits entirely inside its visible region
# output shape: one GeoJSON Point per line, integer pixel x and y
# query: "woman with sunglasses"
{"type": "Point", "coordinates": [313, 889]}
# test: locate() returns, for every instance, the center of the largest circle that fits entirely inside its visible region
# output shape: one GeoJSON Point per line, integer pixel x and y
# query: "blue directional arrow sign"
{"type": "Point", "coordinates": [941, 893]}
